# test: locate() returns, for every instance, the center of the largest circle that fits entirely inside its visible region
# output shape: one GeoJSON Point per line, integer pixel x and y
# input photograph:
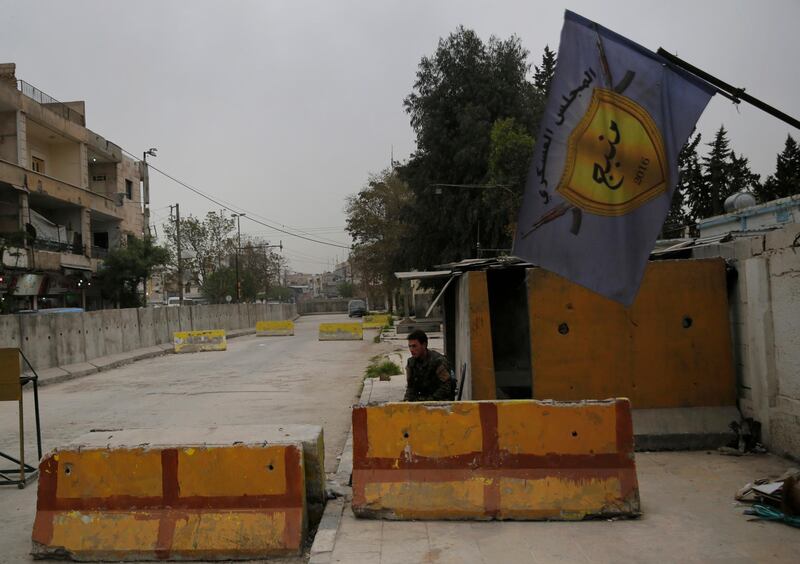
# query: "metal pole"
{"type": "Point", "coordinates": [238, 250]}
{"type": "Point", "coordinates": [178, 244]}
{"type": "Point", "coordinates": [736, 94]}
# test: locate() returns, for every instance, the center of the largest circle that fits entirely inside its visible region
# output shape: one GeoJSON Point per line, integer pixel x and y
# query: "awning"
{"type": "Point", "coordinates": [423, 275]}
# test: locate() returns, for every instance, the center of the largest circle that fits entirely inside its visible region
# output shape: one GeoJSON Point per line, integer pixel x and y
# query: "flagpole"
{"type": "Point", "coordinates": [736, 94]}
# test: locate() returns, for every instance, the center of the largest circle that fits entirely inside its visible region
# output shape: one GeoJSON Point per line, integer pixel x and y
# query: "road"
{"type": "Point", "coordinates": [269, 380]}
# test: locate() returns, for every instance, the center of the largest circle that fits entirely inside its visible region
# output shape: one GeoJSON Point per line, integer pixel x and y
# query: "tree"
{"type": "Point", "coordinates": [262, 263]}
{"type": "Point", "coordinates": [542, 79]}
{"type": "Point", "coordinates": [690, 182]}
{"type": "Point", "coordinates": [345, 289]}
{"type": "Point", "coordinates": [741, 178]}
{"type": "Point", "coordinates": [126, 268]}
{"type": "Point", "coordinates": [460, 93]}
{"type": "Point", "coordinates": [786, 180]}
{"type": "Point", "coordinates": [708, 199]}
{"type": "Point", "coordinates": [206, 244]}
{"type": "Point", "coordinates": [375, 222]}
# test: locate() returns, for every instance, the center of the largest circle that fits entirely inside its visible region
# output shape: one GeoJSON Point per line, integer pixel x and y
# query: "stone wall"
{"type": "Point", "coordinates": [765, 322]}
{"type": "Point", "coordinates": [61, 339]}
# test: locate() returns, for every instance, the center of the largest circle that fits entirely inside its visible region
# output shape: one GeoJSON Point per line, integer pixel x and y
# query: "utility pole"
{"type": "Point", "coordinates": [238, 217]}
{"type": "Point", "coordinates": [145, 174]}
{"type": "Point", "coordinates": [178, 245]}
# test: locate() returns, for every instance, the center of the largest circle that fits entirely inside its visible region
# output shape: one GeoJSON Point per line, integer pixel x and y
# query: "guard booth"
{"type": "Point", "coordinates": [12, 382]}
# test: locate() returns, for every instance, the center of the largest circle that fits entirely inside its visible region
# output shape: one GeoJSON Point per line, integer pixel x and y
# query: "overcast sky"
{"type": "Point", "coordinates": [283, 108]}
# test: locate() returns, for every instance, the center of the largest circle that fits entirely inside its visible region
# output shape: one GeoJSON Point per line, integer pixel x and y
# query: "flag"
{"type": "Point", "coordinates": [605, 163]}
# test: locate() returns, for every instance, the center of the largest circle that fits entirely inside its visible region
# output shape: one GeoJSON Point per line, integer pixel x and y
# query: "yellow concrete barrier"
{"type": "Point", "coordinates": [173, 503]}
{"type": "Point", "coordinates": [341, 332]}
{"type": "Point", "coordinates": [196, 341]}
{"type": "Point", "coordinates": [526, 460]}
{"type": "Point", "coordinates": [274, 328]}
{"type": "Point", "coordinates": [376, 321]}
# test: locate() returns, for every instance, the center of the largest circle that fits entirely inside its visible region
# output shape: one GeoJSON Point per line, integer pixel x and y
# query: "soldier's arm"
{"type": "Point", "coordinates": [409, 395]}
{"type": "Point", "coordinates": [444, 391]}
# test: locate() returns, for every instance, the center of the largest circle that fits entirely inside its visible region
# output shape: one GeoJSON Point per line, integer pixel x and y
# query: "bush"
{"type": "Point", "coordinates": [382, 368]}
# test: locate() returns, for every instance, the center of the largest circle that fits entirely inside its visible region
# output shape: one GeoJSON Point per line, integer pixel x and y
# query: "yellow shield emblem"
{"type": "Point", "coordinates": [615, 157]}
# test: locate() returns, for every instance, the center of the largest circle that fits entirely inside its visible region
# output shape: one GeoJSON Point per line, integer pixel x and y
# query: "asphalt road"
{"type": "Point", "coordinates": [269, 380]}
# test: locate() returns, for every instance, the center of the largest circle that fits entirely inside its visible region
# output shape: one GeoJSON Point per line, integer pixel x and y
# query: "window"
{"type": "Point", "coordinates": [37, 165]}
{"type": "Point", "coordinates": [128, 189]}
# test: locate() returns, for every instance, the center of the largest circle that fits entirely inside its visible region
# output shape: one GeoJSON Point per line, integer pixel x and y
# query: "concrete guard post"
{"type": "Point", "coordinates": [236, 502]}
{"type": "Point", "coordinates": [353, 331]}
{"type": "Point", "coordinates": [523, 460]}
{"type": "Point", "coordinates": [197, 341]}
{"type": "Point", "coordinates": [274, 328]}
{"type": "Point", "coordinates": [376, 321]}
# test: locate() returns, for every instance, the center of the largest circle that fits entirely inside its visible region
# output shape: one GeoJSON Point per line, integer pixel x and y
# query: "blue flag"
{"type": "Point", "coordinates": [606, 159]}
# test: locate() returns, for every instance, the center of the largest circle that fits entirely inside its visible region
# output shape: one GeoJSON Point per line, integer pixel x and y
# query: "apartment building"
{"type": "Point", "coordinates": [67, 197]}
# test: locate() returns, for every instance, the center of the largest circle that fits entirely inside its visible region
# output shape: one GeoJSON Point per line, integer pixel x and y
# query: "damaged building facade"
{"type": "Point", "coordinates": [67, 197]}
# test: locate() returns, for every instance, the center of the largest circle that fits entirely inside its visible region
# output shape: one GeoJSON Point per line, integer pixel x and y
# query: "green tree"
{"type": "Point", "coordinates": [262, 263]}
{"type": "Point", "coordinates": [708, 199]}
{"type": "Point", "coordinates": [690, 181]}
{"type": "Point", "coordinates": [345, 289]}
{"type": "Point", "coordinates": [375, 223]}
{"type": "Point", "coordinates": [126, 268]}
{"type": "Point", "coordinates": [222, 283]}
{"type": "Point", "coordinates": [786, 179]}
{"type": "Point", "coordinates": [206, 244]}
{"type": "Point", "coordinates": [542, 79]}
{"type": "Point", "coordinates": [460, 92]}
{"type": "Point", "coordinates": [741, 178]}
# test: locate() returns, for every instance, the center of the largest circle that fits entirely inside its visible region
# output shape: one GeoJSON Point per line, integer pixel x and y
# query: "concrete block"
{"type": "Point", "coordinates": [69, 338]}
{"type": "Point", "coordinates": [129, 326]}
{"type": "Point", "coordinates": [274, 328]}
{"type": "Point", "coordinates": [376, 321]}
{"type": "Point", "coordinates": [684, 428]}
{"type": "Point", "coordinates": [427, 325]}
{"type": "Point", "coordinates": [526, 460]}
{"type": "Point", "coordinates": [161, 326]}
{"type": "Point", "coordinates": [36, 340]}
{"type": "Point", "coordinates": [309, 436]}
{"type": "Point", "coordinates": [185, 315]}
{"type": "Point", "coordinates": [52, 375]}
{"type": "Point", "coordinates": [783, 238]}
{"type": "Point", "coordinates": [112, 331]}
{"type": "Point", "coordinates": [9, 331]}
{"type": "Point", "coordinates": [341, 332]}
{"type": "Point", "coordinates": [93, 334]}
{"type": "Point", "coordinates": [197, 341]}
{"type": "Point", "coordinates": [147, 334]}
{"type": "Point", "coordinates": [182, 501]}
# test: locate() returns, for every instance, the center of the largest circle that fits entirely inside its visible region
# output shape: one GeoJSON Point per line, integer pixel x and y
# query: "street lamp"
{"type": "Point", "coordinates": [238, 217]}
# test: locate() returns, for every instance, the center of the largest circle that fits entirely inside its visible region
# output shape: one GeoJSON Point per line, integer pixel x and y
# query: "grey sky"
{"type": "Point", "coordinates": [284, 108]}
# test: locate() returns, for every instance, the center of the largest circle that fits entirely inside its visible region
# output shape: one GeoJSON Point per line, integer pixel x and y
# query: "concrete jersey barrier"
{"type": "Point", "coordinates": [197, 341]}
{"type": "Point", "coordinates": [526, 460]}
{"type": "Point", "coordinates": [274, 328]}
{"type": "Point", "coordinates": [341, 332]}
{"type": "Point", "coordinates": [244, 501]}
{"type": "Point", "coordinates": [376, 321]}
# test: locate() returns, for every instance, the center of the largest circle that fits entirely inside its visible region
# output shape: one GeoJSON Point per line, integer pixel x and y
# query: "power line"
{"type": "Point", "coordinates": [233, 210]}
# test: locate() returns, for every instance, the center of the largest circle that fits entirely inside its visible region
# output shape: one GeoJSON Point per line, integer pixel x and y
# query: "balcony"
{"type": "Point", "coordinates": [56, 247]}
{"type": "Point", "coordinates": [59, 108]}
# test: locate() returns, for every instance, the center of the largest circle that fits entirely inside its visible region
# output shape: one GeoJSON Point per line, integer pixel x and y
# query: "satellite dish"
{"type": "Point", "coordinates": [228, 298]}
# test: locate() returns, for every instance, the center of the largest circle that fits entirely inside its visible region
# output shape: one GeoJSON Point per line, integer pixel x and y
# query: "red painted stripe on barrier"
{"type": "Point", "coordinates": [490, 458]}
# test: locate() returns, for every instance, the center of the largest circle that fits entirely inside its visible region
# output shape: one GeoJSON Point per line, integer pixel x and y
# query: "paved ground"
{"type": "Point", "coordinates": [258, 380]}
{"type": "Point", "coordinates": [689, 516]}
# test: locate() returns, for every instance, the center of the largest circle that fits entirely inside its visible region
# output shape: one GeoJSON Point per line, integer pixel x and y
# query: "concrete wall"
{"type": "Point", "coordinates": [322, 306]}
{"type": "Point", "coordinates": [49, 340]}
{"type": "Point", "coordinates": [765, 323]}
{"type": "Point", "coordinates": [473, 341]}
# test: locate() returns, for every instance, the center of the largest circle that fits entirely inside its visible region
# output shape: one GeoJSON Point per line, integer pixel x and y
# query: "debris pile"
{"type": "Point", "coordinates": [774, 499]}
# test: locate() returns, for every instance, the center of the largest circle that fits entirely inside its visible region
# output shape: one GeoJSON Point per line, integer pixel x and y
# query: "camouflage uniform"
{"type": "Point", "coordinates": [428, 379]}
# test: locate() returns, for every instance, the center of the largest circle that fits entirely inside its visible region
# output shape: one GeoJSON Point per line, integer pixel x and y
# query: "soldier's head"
{"type": "Point", "coordinates": [417, 343]}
